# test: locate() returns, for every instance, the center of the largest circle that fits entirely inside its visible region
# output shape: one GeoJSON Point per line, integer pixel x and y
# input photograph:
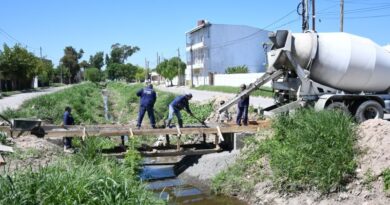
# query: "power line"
{"type": "Point", "coordinates": [253, 34]}
{"type": "Point", "coordinates": [16, 40]}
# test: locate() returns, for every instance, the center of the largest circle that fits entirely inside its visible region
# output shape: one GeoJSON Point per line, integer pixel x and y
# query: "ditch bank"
{"type": "Point", "coordinates": [369, 184]}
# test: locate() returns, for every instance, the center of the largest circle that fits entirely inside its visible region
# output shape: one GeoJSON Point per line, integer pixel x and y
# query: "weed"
{"type": "Point", "coordinates": [77, 179]}
{"type": "Point", "coordinates": [312, 149]}
{"type": "Point", "coordinates": [368, 179]}
{"type": "Point", "coordinates": [386, 179]}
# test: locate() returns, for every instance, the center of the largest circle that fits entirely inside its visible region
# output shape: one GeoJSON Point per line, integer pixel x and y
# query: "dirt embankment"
{"type": "Point", "coordinates": [31, 152]}
{"type": "Point", "coordinates": [367, 187]}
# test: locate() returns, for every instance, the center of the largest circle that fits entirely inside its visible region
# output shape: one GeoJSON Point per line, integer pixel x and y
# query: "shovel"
{"type": "Point", "coordinates": [200, 121]}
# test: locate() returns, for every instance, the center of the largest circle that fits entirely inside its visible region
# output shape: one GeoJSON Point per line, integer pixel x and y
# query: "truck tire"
{"type": "Point", "coordinates": [369, 109]}
{"type": "Point", "coordinates": [338, 106]}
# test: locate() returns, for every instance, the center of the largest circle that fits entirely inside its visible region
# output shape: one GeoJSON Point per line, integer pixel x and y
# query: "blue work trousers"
{"type": "Point", "coordinates": [141, 114]}
{"type": "Point", "coordinates": [242, 115]}
{"type": "Point", "coordinates": [174, 111]}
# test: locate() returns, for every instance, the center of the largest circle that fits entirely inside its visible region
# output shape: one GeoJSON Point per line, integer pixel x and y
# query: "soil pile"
{"type": "Point", "coordinates": [33, 152]}
{"type": "Point", "coordinates": [374, 142]}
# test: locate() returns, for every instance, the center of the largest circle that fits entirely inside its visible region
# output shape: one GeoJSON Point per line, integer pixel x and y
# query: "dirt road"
{"type": "Point", "coordinates": [200, 95]}
{"type": "Point", "coordinates": [15, 101]}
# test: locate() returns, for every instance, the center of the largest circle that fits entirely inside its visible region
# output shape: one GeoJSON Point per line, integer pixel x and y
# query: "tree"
{"type": "Point", "coordinates": [237, 69]}
{"type": "Point", "coordinates": [116, 71]}
{"type": "Point", "coordinates": [171, 68]}
{"type": "Point", "coordinates": [18, 66]}
{"type": "Point", "coordinates": [45, 72]}
{"type": "Point", "coordinates": [140, 75]}
{"type": "Point", "coordinates": [93, 74]}
{"type": "Point", "coordinates": [97, 60]}
{"type": "Point", "coordinates": [62, 74]}
{"type": "Point", "coordinates": [119, 53]}
{"type": "Point", "coordinates": [71, 61]}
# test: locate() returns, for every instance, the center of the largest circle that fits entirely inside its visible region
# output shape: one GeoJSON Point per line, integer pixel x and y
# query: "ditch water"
{"type": "Point", "coordinates": [107, 115]}
{"type": "Point", "coordinates": [167, 185]}
{"type": "Point", "coordinates": [165, 182]}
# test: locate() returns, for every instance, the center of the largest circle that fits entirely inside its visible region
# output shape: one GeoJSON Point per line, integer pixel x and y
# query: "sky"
{"type": "Point", "coordinates": [158, 26]}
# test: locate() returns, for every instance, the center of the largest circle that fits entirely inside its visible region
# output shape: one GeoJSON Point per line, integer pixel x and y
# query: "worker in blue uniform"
{"type": "Point", "coordinates": [68, 120]}
{"type": "Point", "coordinates": [243, 105]}
{"type": "Point", "coordinates": [178, 104]}
{"type": "Point", "coordinates": [147, 99]}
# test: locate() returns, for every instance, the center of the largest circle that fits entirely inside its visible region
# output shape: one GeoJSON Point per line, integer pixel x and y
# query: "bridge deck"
{"type": "Point", "coordinates": [55, 131]}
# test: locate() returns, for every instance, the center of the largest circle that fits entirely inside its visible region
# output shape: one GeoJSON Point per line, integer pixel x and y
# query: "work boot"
{"type": "Point", "coordinates": [168, 124]}
{"type": "Point", "coordinates": [180, 121]}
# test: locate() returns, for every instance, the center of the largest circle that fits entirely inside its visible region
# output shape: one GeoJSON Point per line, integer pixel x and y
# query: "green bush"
{"type": "Point", "coordinates": [312, 149]}
{"type": "Point", "coordinates": [93, 74]}
{"type": "Point", "coordinates": [237, 69]}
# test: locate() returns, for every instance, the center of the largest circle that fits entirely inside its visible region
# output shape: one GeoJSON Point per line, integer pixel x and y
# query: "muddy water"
{"type": "Point", "coordinates": [163, 180]}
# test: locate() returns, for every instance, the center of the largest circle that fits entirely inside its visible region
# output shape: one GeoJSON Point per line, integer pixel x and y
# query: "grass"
{"type": "Point", "coordinates": [242, 176]}
{"type": "Point", "coordinates": [85, 100]}
{"type": "Point", "coordinates": [386, 180]}
{"type": "Point", "coordinates": [263, 91]}
{"type": "Point", "coordinates": [83, 178]}
{"type": "Point", "coordinates": [308, 150]}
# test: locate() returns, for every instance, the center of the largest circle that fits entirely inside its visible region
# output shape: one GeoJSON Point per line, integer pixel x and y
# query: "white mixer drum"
{"type": "Point", "coordinates": [351, 63]}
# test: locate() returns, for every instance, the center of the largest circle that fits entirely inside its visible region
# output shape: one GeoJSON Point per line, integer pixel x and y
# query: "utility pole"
{"type": "Point", "coordinates": [178, 68]}
{"type": "Point", "coordinates": [192, 68]}
{"type": "Point", "coordinates": [305, 15]}
{"type": "Point", "coordinates": [313, 14]}
{"type": "Point", "coordinates": [341, 15]}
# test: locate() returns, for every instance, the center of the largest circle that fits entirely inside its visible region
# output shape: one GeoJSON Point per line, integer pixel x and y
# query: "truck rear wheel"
{"type": "Point", "coordinates": [338, 106]}
{"type": "Point", "coordinates": [369, 109]}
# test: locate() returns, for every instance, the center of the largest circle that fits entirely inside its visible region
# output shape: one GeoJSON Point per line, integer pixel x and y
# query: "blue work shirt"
{"type": "Point", "coordinates": [181, 102]}
{"type": "Point", "coordinates": [244, 101]}
{"type": "Point", "coordinates": [148, 97]}
{"type": "Point", "coordinates": [68, 119]}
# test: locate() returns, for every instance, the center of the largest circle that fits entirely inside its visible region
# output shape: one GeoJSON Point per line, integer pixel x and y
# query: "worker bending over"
{"type": "Point", "coordinates": [147, 99]}
{"type": "Point", "coordinates": [243, 105]}
{"type": "Point", "coordinates": [179, 103]}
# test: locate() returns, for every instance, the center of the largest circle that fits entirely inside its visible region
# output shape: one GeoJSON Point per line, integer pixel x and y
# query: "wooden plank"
{"type": "Point", "coordinates": [179, 153]}
{"type": "Point", "coordinates": [53, 131]}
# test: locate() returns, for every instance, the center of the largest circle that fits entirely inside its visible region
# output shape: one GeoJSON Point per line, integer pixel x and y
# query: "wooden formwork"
{"type": "Point", "coordinates": [85, 131]}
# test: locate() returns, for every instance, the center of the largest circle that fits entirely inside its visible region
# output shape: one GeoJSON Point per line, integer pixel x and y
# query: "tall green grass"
{"type": "Point", "coordinates": [308, 150]}
{"type": "Point", "coordinates": [263, 91]}
{"type": "Point", "coordinates": [85, 100]}
{"type": "Point", "coordinates": [77, 179]}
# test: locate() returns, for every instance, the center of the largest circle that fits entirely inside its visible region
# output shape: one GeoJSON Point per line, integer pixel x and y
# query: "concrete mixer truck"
{"type": "Point", "coordinates": [328, 71]}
